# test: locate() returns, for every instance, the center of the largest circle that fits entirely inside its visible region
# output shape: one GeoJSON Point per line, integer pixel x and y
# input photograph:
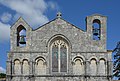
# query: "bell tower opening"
{"type": "Point", "coordinates": [21, 36]}
{"type": "Point", "coordinates": [96, 29]}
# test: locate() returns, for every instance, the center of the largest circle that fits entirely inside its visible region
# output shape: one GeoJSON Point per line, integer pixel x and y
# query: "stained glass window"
{"type": "Point", "coordinates": [59, 56]}
{"type": "Point", "coordinates": [63, 58]}
{"type": "Point", "coordinates": [55, 58]}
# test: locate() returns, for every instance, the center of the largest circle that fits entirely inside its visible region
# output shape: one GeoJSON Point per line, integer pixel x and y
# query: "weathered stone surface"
{"type": "Point", "coordinates": [87, 59]}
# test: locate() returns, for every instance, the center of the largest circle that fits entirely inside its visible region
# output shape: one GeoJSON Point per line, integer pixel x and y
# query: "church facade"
{"type": "Point", "coordinates": [59, 51]}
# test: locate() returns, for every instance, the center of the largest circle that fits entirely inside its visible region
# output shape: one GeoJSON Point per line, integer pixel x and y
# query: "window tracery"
{"type": "Point", "coordinates": [59, 56]}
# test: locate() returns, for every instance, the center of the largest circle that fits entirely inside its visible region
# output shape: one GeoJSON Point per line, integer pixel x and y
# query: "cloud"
{"type": "Point", "coordinates": [2, 70]}
{"type": "Point", "coordinates": [31, 10]}
{"type": "Point", "coordinates": [6, 17]}
{"type": "Point", "coordinates": [4, 32]}
{"type": "Point", "coordinates": [53, 5]}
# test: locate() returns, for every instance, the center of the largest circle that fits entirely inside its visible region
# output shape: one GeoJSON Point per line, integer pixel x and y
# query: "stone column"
{"type": "Point", "coordinates": [32, 71]}
{"type": "Point", "coordinates": [12, 68]}
{"type": "Point", "coordinates": [31, 67]}
{"type": "Point", "coordinates": [87, 70]}
{"type": "Point", "coordinates": [110, 67]}
{"type": "Point", "coordinates": [8, 71]}
{"type": "Point", "coordinates": [34, 68]}
{"type": "Point", "coordinates": [21, 70]}
{"type": "Point", "coordinates": [21, 64]}
{"type": "Point", "coordinates": [97, 65]}
{"type": "Point", "coordinates": [106, 68]}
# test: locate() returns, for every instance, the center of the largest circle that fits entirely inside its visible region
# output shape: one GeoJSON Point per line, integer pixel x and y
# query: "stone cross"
{"type": "Point", "coordinates": [59, 15]}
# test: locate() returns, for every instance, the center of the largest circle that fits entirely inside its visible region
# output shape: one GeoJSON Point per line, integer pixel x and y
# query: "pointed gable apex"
{"type": "Point", "coordinates": [22, 22]}
{"type": "Point", "coordinates": [57, 20]}
{"type": "Point", "coordinates": [73, 25]}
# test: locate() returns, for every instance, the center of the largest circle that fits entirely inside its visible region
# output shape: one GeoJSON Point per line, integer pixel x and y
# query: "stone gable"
{"type": "Point", "coordinates": [59, 51]}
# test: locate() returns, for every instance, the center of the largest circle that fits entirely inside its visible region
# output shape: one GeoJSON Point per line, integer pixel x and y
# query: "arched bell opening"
{"type": "Point", "coordinates": [21, 36]}
{"type": "Point", "coordinates": [96, 29]}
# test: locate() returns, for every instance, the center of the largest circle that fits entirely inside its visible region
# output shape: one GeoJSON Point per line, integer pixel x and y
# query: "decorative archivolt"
{"type": "Point", "coordinates": [93, 57]}
{"type": "Point", "coordinates": [40, 58]}
{"type": "Point", "coordinates": [21, 67]}
{"type": "Point", "coordinates": [25, 67]}
{"type": "Point", "coordinates": [102, 59]}
{"type": "Point", "coordinates": [78, 57]}
{"type": "Point", "coordinates": [25, 60]}
{"type": "Point", "coordinates": [40, 66]}
{"type": "Point", "coordinates": [93, 66]}
{"type": "Point", "coordinates": [17, 66]}
{"type": "Point", "coordinates": [78, 66]}
{"type": "Point", "coordinates": [57, 37]}
{"type": "Point", "coordinates": [102, 66]}
{"type": "Point", "coordinates": [17, 60]}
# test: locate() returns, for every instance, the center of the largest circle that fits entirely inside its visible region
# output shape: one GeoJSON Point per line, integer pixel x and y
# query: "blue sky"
{"type": "Point", "coordinates": [38, 12]}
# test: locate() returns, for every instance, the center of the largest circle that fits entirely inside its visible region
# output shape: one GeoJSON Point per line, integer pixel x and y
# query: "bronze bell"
{"type": "Point", "coordinates": [96, 31]}
{"type": "Point", "coordinates": [22, 39]}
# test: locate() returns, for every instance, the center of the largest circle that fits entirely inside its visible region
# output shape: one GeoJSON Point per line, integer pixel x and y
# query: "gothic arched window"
{"type": "Point", "coordinates": [21, 36]}
{"type": "Point", "coordinates": [59, 56]}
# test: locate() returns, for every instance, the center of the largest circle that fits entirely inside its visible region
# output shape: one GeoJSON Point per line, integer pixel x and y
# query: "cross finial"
{"type": "Point", "coordinates": [59, 15]}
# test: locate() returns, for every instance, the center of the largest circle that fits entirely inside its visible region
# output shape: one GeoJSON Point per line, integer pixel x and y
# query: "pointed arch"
{"type": "Point", "coordinates": [59, 55]}
{"type": "Point", "coordinates": [58, 36]}
{"type": "Point", "coordinates": [14, 32]}
{"type": "Point", "coordinates": [21, 36]}
{"type": "Point", "coordinates": [59, 46]}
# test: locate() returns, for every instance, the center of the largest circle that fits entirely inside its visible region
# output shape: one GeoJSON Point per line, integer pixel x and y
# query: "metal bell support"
{"type": "Point", "coordinates": [96, 31]}
{"type": "Point", "coordinates": [22, 39]}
